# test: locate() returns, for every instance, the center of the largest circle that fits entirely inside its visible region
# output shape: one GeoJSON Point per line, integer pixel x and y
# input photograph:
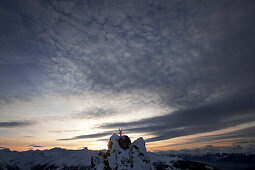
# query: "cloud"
{"type": "Point", "coordinates": [205, 118]}
{"type": "Point", "coordinates": [227, 113]}
{"type": "Point", "coordinates": [61, 131]}
{"type": "Point", "coordinates": [239, 135]}
{"type": "Point", "coordinates": [197, 58]}
{"type": "Point", "coordinates": [104, 140]}
{"type": "Point", "coordinates": [14, 124]}
{"type": "Point", "coordinates": [95, 112]}
{"type": "Point", "coordinates": [35, 146]}
{"type": "Point", "coordinates": [242, 137]}
{"type": "Point", "coordinates": [96, 135]}
{"type": "Point", "coordinates": [169, 48]}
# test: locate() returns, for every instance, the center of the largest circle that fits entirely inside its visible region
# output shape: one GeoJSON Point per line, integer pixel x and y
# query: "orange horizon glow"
{"type": "Point", "coordinates": [94, 144]}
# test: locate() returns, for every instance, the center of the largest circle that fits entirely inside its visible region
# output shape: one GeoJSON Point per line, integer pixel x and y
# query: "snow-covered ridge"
{"type": "Point", "coordinates": [121, 155]}
{"type": "Point", "coordinates": [54, 158]}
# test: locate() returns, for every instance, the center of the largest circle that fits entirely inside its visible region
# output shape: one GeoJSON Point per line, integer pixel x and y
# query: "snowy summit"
{"type": "Point", "coordinates": [122, 154]}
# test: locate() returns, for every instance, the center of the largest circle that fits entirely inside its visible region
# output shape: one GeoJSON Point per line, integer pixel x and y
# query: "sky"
{"type": "Point", "coordinates": [181, 74]}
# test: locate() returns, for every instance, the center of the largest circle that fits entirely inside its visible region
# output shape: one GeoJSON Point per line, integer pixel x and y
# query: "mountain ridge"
{"type": "Point", "coordinates": [121, 155]}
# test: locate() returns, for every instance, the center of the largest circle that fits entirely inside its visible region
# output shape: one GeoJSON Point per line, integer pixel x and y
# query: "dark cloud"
{"type": "Point", "coordinates": [205, 118]}
{"type": "Point", "coordinates": [241, 135]}
{"type": "Point", "coordinates": [13, 124]}
{"type": "Point", "coordinates": [96, 135]}
{"type": "Point", "coordinates": [35, 146]}
{"type": "Point", "coordinates": [104, 140]}
{"type": "Point", "coordinates": [237, 137]}
{"type": "Point", "coordinates": [209, 117]}
{"type": "Point", "coordinates": [245, 142]}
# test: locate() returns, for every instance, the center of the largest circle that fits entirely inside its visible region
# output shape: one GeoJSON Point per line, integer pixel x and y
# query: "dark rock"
{"type": "Point", "coordinates": [92, 165]}
{"type": "Point", "coordinates": [124, 142]}
{"type": "Point", "coordinates": [135, 147]}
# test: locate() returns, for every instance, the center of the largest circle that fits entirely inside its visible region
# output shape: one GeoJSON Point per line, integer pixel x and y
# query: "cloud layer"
{"type": "Point", "coordinates": [14, 124]}
{"type": "Point", "coordinates": [192, 61]}
{"type": "Point", "coordinates": [206, 118]}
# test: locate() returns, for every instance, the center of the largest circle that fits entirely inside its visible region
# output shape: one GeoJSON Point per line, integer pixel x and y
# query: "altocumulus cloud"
{"type": "Point", "coordinates": [188, 52]}
{"type": "Point", "coordinates": [198, 57]}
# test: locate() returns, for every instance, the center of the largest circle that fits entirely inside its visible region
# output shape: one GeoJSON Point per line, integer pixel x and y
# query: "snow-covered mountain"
{"type": "Point", "coordinates": [55, 158]}
{"type": "Point", "coordinates": [121, 155]}
{"type": "Point", "coordinates": [233, 161]}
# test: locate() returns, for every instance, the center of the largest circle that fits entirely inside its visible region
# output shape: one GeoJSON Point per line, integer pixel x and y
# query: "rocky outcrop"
{"type": "Point", "coordinates": [124, 142]}
{"type": "Point", "coordinates": [123, 155]}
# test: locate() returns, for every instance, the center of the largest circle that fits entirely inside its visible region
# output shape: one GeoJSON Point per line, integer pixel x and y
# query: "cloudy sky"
{"type": "Point", "coordinates": [181, 74]}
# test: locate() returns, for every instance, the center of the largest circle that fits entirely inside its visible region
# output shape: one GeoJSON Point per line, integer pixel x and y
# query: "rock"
{"type": "Point", "coordinates": [124, 142]}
